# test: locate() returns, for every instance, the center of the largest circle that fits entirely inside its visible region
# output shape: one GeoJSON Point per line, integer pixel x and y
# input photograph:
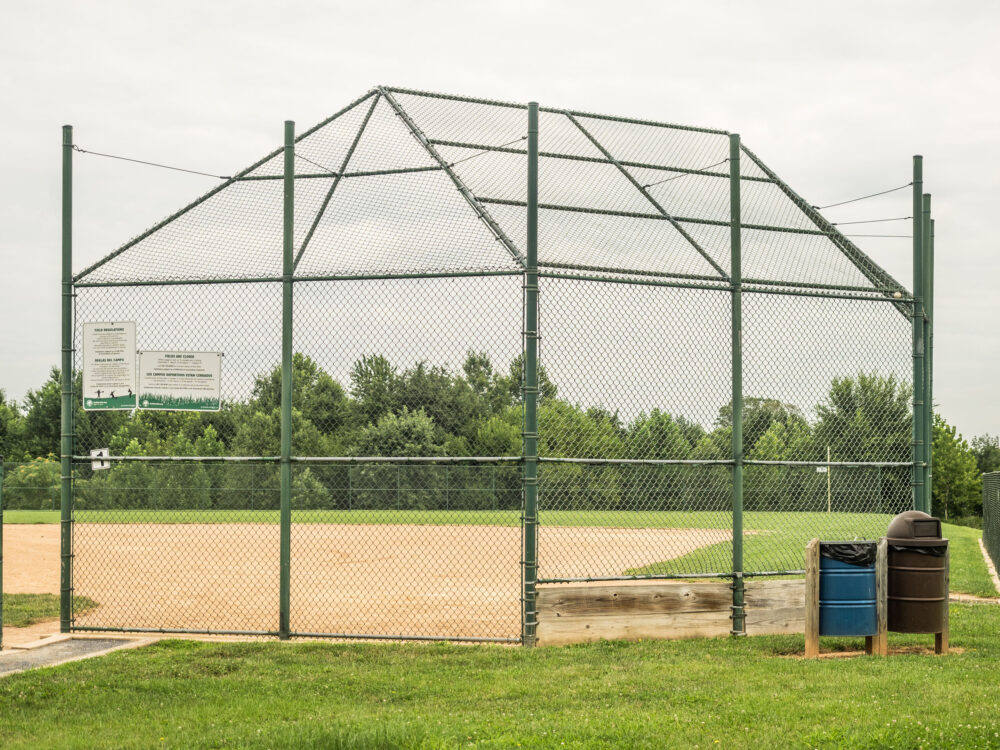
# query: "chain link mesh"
{"type": "Point", "coordinates": [410, 244]}
{"type": "Point", "coordinates": [991, 515]}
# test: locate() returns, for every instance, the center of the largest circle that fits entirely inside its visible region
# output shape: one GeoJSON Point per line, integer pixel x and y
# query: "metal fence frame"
{"type": "Point", "coordinates": [918, 307]}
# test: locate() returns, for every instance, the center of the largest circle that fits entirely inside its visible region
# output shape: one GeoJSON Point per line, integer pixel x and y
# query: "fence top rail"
{"type": "Point", "coordinates": [309, 459]}
{"type": "Point", "coordinates": [553, 110]}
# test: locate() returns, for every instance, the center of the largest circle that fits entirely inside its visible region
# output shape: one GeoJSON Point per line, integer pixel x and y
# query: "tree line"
{"type": "Point", "coordinates": [430, 410]}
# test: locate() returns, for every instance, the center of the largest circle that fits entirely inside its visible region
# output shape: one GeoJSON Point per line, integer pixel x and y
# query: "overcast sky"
{"type": "Point", "coordinates": [836, 97]}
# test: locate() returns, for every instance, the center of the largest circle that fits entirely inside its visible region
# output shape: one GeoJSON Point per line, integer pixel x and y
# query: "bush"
{"type": "Point", "coordinates": [32, 486]}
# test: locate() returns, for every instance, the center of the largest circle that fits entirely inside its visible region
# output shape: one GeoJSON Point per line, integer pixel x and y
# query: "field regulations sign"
{"type": "Point", "coordinates": [109, 366]}
{"type": "Point", "coordinates": [180, 381]}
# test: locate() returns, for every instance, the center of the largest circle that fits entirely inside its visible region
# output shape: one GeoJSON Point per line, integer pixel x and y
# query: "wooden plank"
{"type": "Point", "coordinates": [760, 593]}
{"type": "Point", "coordinates": [881, 643]}
{"type": "Point", "coordinates": [654, 597]}
{"type": "Point", "coordinates": [558, 631]}
{"type": "Point", "coordinates": [812, 599]}
{"type": "Point", "coordinates": [783, 621]}
{"type": "Point", "coordinates": [775, 607]}
{"type": "Point", "coordinates": [941, 639]}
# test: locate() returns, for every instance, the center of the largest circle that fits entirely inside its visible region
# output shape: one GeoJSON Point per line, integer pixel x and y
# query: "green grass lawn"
{"type": "Point", "coordinates": [21, 610]}
{"type": "Point", "coordinates": [697, 693]}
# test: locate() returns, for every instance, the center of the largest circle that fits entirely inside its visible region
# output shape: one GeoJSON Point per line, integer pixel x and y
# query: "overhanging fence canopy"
{"type": "Point", "coordinates": [403, 182]}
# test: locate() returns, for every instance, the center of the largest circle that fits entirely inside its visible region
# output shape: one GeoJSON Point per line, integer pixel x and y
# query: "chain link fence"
{"type": "Point", "coordinates": [991, 515]}
{"type": "Point", "coordinates": [412, 271]}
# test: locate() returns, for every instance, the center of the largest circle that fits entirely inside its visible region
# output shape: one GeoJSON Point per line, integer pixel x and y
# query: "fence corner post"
{"type": "Point", "coordinates": [66, 378]}
{"type": "Point", "coordinates": [288, 226]}
{"type": "Point", "coordinates": [529, 396]}
{"type": "Point", "coordinates": [918, 448]}
{"type": "Point", "coordinates": [736, 274]}
{"type": "Point", "coordinates": [928, 273]}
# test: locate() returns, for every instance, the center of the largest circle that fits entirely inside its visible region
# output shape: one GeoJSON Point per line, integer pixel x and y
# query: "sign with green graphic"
{"type": "Point", "coordinates": [180, 381]}
{"type": "Point", "coordinates": [109, 366]}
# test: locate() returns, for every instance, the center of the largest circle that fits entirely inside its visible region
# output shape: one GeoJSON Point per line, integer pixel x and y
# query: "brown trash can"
{"type": "Point", "coordinates": [917, 589]}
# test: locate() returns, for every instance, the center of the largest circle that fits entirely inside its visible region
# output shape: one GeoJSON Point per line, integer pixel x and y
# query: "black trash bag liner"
{"type": "Point", "coordinates": [852, 553]}
{"type": "Point", "coordinates": [936, 551]}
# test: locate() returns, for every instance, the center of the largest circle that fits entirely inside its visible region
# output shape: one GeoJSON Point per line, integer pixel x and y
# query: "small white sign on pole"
{"type": "Point", "coordinates": [99, 456]}
{"type": "Point", "coordinates": [109, 366]}
{"type": "Point", "coordinates": [180, 381]}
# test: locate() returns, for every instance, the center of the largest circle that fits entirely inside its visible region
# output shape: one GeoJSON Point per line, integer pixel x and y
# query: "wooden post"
{"type": "Point", "coordinates": [812, 599]}
{"type": "Point", "coordinates": [878, 644]}
{"type": "Point", "coordinates": [941, 639]}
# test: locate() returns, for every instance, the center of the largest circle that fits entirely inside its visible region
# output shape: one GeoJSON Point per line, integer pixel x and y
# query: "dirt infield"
{"type": "Point", "coordinates": [442, 580]}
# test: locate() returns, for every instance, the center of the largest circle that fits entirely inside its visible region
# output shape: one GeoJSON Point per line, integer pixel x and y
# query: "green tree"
{"type": "Point", "coordinates": [314, 393]}
{"type": "Point", "coordinates": [658, 435]}
{"type": "Point", "coordinates": [758, 416]}
{"type": "Point", "coordinates": [400, 486]}
{"type": "Point", "coordinates": [986, 449]}
{"type": "Point", "coordinates": [449, 401]}
{"type": "Point", "coordinates": [404, 434]}
{"type": "Point", "coordinates": [506, 389]}
{"type": "Point", "coordinates": [33, 485]}
{"type": "Point", "coordinates": [12, 434]}
{"type": "Point", "coordinates": [865, 418]}
{"type": "Point", "coordinates": [956, 484]}
{"type": "Point", "coordinates": [478, 372]}
{"type": "Point", "coordinates": [373, 386]}
{"type": "Point", "coordinates": [498, 436]}
{"type": "Point", "coordinates": [42, 424]}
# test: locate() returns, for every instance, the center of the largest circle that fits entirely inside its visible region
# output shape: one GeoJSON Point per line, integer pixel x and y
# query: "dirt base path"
{"type": "Point", "coordinates": [446, 580]}
{"type": "Point", "coordinates": [31, 558]}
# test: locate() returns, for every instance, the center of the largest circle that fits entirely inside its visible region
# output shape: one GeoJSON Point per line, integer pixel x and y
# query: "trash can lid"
{"type": "Point", "coordinates": [914, 524]}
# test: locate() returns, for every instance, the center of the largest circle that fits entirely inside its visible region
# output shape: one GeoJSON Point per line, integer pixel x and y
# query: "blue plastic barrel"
{"type": "Point", "coordinates": [846, 598]}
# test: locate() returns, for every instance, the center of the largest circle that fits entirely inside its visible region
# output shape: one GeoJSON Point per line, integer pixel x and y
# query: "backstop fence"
{"type": "Point", "coordinates": [991, 515]}
{"type": "Point", "coordinates": [470, 348]}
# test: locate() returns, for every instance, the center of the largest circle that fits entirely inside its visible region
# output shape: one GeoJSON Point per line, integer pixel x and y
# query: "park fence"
{"type": "Point", "coordinates": [471, 348]}
{"type": "Point", "coordinates": [991, 515]}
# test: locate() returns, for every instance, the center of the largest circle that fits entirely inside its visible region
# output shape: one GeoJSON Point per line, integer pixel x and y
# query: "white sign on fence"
{"type": "Point", "coordinates": [108, 366]}
{"type": "Point", "coordinates": [180, 381]}
{"type": "Point", "coordinates": [98, 459]}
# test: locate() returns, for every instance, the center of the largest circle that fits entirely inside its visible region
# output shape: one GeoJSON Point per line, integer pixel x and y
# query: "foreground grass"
{"type": "Point", "coordinates": [21, 610]}
{"type": "Point", "coordinates": [706, 693]}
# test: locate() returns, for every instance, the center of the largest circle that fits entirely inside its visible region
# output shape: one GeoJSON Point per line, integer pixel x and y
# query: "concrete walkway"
{"type": "Point", "coordinates": [60, 649]}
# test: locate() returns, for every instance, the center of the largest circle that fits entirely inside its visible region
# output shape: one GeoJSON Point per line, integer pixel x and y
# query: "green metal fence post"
{"type": "Point", "coordinates": [928, 352]}
{"type": "Point", "coordinates": [1, 552]}
{"type": "Point", "coordinates": [285, 553]}
{"type": "Point", "coordinates": [736, 272]}
{"type": "Point", "coordinates": [529, 388]}
{"type": "Point", "coordinates": [66, 416]}
{"type": "Point", "coordinates": [917, 450]}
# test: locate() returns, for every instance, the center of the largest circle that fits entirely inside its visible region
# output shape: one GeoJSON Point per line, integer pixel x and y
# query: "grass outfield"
{"type": "Point", "coordinates": [838, 523]}
{"type": "Point", "coordinates": [696, 693]}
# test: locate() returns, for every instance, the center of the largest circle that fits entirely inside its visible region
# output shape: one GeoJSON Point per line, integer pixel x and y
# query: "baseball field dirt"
{"type": "Point", "coordinates": [359, 579]}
